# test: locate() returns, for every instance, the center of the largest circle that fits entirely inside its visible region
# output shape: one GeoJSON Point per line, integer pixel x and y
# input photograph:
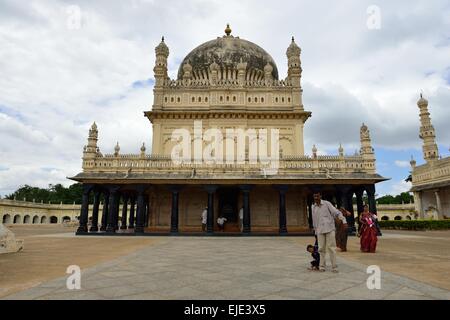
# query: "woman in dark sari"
{"type": "Point", "coordinates": [368, 231]}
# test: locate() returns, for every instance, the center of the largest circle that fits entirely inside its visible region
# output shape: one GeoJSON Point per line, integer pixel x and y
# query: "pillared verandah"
{"type": "Point", "coordinates": [228, 84]}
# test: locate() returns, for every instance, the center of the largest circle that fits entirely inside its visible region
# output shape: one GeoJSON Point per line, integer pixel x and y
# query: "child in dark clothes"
{"type": "Point", "coordinates": [314, 250]}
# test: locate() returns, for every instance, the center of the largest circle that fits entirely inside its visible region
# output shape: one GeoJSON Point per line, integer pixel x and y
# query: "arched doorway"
{"type": "Point", "coordinates": [17, 219]}
{"type": "Point", "coordinates": [66, 219]}
{"type": "Point", "coordinates": [408, 218]}
{"type": "Point", "coordinates": [6, 219]}
{"type": "Point", "coordinates": [53, 219]}
{"type": "Point", "coordinates": [384, 218]}
{"type": "Point", "coordinates": [43, 219]}
{"type": "Point", "coordinates": [35, 219]}
{"type": "Point", "coordinates": [398, 218]}
{"type": "Point", "coordinates": [26, 219]}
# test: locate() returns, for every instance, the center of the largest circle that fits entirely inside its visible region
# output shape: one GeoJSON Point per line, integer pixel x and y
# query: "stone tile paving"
{"type": "Point", "coordinates": [227, 268]}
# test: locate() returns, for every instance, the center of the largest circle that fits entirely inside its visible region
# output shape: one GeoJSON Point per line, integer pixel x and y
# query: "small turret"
{"type": "Point", "coordinates": [341, 150]}
{"type": "Point", "coordinates": [116, 149]}
{"type": "Point", "coordinates": [268, 73]}
{"type": "Point", "coordinates": [314, 151]}
{"type": "Point", "coordinates": [143, 150]}
{"type": "Point", "coordinates": [412, 162]}
{"type": "Point", "coordinates": [187, 71]}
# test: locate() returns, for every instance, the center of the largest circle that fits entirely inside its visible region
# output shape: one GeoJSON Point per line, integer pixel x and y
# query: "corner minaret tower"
{"type": "Point", "coordinates": [90, 150]}
{"type": "Point", "coordinates": [366, 150]}
{"type": "Point", "coordinates": [160, 70]}
{"type": "Point", "coordinates": [427, 134]}
{"type": "Point", "coordinates": [295, 72]}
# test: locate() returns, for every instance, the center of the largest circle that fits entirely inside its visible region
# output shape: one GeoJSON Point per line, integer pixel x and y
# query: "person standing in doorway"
{"type": "Point", "coordinates": [323, 214]}
{"type": "Point", "coordinates": [241, 219]}
{"type": "Point", "coordinates": [204, 218]}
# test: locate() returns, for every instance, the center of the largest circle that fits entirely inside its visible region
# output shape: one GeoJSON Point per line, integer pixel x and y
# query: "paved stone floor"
{"type": "Point", "coordinates": [226, 268]}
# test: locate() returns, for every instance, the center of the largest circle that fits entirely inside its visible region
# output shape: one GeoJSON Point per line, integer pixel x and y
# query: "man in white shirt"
{"type": "Point", "coordinates": [204, 218]}
{"type": "Point", "coordinates": [221, 223]}
{"type": "Point", "coordinates": [241, 219]}
{"type": "Point", "coordinates": [324, 214]}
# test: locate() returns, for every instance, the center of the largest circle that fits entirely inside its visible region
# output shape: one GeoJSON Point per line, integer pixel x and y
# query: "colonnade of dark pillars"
{"type": "Point", "coordinates": [138, 218]}
{"type": "Point", "coordinates": [110, 213]}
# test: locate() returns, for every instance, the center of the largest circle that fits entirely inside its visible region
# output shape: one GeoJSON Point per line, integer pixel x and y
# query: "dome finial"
{"type": "Point", "coordinates": [293, 39]}
{"type": "Point", "coordinates": [162, 39]}
{"type": "Point", "coordinates": [228, 30]}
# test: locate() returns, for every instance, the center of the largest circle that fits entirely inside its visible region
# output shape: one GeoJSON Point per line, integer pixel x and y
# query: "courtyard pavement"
{"type": "Point", "coordinates": [227, 268]}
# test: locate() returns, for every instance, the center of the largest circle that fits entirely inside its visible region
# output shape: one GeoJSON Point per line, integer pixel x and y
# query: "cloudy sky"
{"type": "Point", "coordinates": [360, 64]}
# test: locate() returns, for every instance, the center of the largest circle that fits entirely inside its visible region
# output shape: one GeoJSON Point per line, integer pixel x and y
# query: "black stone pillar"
{"type": "Point", "coordinates": [116, 213]}
{"type": "Point", "coordinates": [246, 199]}
{"type": "Point", "coordinates": [345, 194]}
{"type": "Point", "coordinates": [113, 208]}
{"type": "Point", "coordinates": [105, 210]}
{"type": "Point", "coordinates": [84, 214]}
{"type": "Point", "coordinates": [140, 213]}
{"type": "Point", "coordinates": [174, 214]}
{"type": "Point", "coordinates": [282, 189]}
{"type": "Point", "coordinates": [370, 189]}
{"type": "Point", "coordinates": [211, 189]}
{"type": "Point", "coordinates": [94, 225]}
{"type": "Point", "coordinates": [123, 222]}
{"type": "Point", "coordinates": [131, 219]}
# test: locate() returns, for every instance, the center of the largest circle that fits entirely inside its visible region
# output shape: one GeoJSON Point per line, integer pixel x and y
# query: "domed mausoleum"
{"type": "Point", "coordinates": [228, 137]}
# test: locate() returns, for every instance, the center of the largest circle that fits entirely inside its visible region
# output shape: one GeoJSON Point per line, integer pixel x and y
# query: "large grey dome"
{"type": "Point", "coordinates": [227, 52]}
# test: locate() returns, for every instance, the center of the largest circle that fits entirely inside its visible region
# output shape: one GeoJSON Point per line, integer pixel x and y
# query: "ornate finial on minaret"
{"type": "Point", "coordinates": [228, 30]}
{"type": "Point", "coordinates": [427, 133]}
{"type": "Point", "coordinates": [314, 151]}
{"type": "Point", "coordinates": [162, 39]}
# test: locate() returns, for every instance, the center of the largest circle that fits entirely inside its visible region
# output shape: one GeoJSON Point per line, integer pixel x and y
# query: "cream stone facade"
{"type": "Point", "coordinates": [244, 149]}
{"type": "Point", "coordinates": [430, 181]}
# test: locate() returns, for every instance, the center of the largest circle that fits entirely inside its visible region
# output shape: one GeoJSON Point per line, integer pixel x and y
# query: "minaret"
{"type": "Point", "coordinates": [160, 69]}
{"type": "Point", "coordinates": [294, 63]}
{"type": "Point", "coordinates": [427, 134]}
{"type": "Point", "coordinates": [90, 150]}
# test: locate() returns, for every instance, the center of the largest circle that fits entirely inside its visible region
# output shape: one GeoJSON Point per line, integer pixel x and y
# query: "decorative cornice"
{"type": "Point", "coordinates": [151, 115]}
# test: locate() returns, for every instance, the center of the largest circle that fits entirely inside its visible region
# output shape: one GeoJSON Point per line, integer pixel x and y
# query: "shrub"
{"type": "Point", "coordinates": [415, 224]}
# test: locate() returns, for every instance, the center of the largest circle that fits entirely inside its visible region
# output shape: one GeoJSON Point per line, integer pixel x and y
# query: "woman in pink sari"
{"type": "Point", "coordinates": [368, 231]}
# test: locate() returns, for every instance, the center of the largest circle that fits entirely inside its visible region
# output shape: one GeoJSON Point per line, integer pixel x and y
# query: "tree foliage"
{"type": "Point", "coordinates": [54, 193]}
{"type": "Point", "coordinates": [404, 197]}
